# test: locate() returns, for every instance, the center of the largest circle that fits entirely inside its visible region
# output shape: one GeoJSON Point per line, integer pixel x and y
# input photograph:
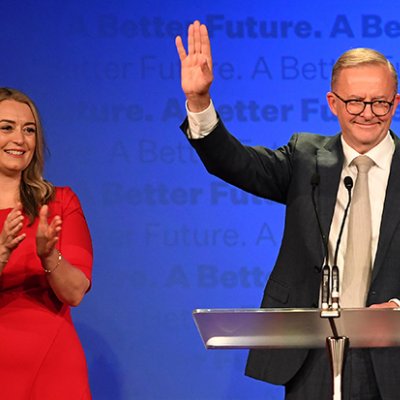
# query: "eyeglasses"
{"type": "Point", "coordinates": [355, 107]}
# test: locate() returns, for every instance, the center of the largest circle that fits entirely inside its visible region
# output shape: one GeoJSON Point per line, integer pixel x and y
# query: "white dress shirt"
{"type": "Point", "coordinates": [377, 181]}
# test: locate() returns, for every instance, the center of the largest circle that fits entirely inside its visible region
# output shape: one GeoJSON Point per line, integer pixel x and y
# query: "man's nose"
{"type": "Point", "coordinates": [367, 112]}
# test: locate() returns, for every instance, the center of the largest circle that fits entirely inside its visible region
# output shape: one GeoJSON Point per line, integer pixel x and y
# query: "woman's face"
{"type": "Point", "coordinates": [17, 137]}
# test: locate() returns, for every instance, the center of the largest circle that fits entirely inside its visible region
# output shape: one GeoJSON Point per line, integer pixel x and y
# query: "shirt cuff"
{"type": "Point", "coordinates": [397, 301]}
{"type": "Point", "coordinates": [201, 123]}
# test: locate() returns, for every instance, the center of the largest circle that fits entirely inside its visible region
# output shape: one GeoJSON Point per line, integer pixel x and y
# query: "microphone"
{"type": "Point", "coordinates": [348, 183]}
{"type": "Point", "coordinates": [325, 284]}
{"type": "Point", "coordinates": [325, 287]}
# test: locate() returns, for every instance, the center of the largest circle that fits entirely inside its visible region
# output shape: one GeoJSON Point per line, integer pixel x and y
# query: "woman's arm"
{"type": "Point", "coordinates": [65, 260]}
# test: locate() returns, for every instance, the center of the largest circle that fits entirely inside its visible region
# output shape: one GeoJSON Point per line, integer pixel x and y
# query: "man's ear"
{"type": "Point", "coordinates": [332, 102]}
{"type": "Point", "coordinates": [396, 102]}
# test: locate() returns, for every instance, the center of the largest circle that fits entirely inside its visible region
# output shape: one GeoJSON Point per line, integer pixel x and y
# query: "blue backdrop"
{"type": "Point", "coordinates": [169, 238]}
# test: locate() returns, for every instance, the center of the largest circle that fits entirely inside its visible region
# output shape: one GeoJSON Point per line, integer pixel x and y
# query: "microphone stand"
{"type": "Point", "coordinates": [326, 271]}
{"type": "Point", "coordinates": [337, 345]}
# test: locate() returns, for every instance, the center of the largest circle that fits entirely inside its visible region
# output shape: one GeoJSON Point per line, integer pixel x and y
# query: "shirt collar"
{"type": "Point", "coordinates": [381, 154]}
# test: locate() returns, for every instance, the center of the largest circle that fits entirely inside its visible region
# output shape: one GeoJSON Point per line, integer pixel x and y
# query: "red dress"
{"type": "Point", "coordinates": [41, 357]}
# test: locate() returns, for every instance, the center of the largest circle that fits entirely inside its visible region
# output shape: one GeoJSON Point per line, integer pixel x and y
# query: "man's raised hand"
{"type": "Point", "coordinates": [196, 66]}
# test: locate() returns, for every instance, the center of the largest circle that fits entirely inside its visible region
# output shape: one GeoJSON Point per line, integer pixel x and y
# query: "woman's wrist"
{"type": "Point", "coordinates": [52, 261]}
{"type": "Point", "coordinates": [4, 255]}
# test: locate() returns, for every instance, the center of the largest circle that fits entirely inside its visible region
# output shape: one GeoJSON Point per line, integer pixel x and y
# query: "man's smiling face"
{"type": "Point", "coordinates": [369, 82]}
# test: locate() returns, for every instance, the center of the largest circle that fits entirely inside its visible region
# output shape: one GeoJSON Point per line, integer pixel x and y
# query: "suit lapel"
{"type": "Point", "coordinates": [391, 209]}
{"type": "Point", "coordinates": [329, 164]}
{"type": "Point", "coordinates": [329, 161]}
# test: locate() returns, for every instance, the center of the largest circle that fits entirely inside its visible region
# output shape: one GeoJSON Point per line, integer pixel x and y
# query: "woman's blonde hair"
{"type": "Point", "coordinates": [34, 190]}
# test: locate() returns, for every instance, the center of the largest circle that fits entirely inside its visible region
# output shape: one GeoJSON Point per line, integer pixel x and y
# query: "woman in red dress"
{"type": "Point", "coordinates": [45, 266]}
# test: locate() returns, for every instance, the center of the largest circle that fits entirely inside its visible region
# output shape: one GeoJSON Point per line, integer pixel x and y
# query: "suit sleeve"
{"type": "Point", "coordinates": [258, 170]}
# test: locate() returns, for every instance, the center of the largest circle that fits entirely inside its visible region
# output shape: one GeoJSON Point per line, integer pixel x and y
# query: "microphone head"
{"type": "Point", "coordinates": [348, 182]}
{"type": "Point", "coordinates": [315, 179]}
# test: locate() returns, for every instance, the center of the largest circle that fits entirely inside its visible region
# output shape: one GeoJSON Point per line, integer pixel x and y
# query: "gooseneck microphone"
{"type": "Point", "coordinates": [325, 284]}
{"type": "Point", "coordinates": [348, 183]}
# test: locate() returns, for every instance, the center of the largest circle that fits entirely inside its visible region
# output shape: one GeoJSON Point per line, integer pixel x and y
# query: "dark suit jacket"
{"type": "Point", "coordinates": [284, 175]}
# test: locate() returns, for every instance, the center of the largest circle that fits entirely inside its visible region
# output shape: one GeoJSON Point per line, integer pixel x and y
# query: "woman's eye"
{"type": "Point", "coordinates": [30, 131]}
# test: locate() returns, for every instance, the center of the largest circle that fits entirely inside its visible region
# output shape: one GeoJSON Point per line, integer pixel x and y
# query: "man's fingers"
{"type": "Point", "coordinates": [190, 40]}
{"type": "Point", "coordinates": [197, 37]}
{"type": "Point", "coordinates": [198, 41]}
{"type": "Point", "coordinates": [205, 44]}
{"type": "Point", "coordinates": [179, 47]}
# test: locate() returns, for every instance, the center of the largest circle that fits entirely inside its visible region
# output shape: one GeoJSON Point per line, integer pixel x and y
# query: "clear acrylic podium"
{"type": "Point", "coordinates": [300, 328]}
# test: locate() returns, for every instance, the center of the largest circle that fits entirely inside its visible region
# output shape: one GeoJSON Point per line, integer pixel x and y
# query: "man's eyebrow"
{"type": "Point", "coordinates": [383, 98]}
{"type": "Point", "coordinates": [362, 98]}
